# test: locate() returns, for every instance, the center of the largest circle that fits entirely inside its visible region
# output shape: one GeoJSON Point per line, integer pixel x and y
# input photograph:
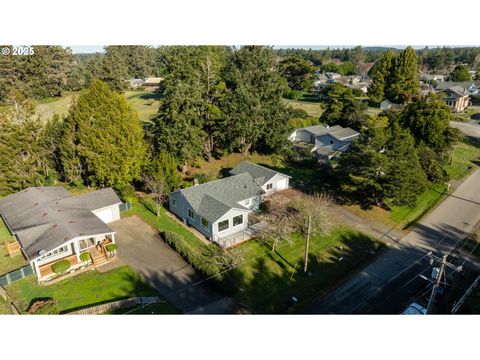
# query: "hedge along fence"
{"type": "Point", "coordinates": [198, 261]}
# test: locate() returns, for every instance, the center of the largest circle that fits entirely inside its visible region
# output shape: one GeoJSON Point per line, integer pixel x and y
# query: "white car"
{"type": "Point", "coordinates": [415, 309]}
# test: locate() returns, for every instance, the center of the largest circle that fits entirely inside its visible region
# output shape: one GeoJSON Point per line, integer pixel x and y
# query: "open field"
{"type": "Point", "coordinates": [145, 103]}
{"type": "Point", "coordinates": [140, 100]}
{"type": "Point", "coordinates": [51, 106]}
{"type": "Point", "coordinates": [84, 289]}
{"type": "Point", "coordinates": [312, 108]}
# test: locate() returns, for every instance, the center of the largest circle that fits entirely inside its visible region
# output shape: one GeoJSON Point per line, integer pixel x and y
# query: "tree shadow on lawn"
{"type": "Point", "coordinates": [274, 281]}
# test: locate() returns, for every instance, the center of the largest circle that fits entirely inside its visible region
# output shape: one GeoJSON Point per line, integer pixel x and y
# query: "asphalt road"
{"type": "Point", "coordinates": [391, 282]}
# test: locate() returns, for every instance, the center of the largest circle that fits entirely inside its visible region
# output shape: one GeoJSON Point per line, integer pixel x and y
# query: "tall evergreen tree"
{"type": "Point", "coordinates": [103, 139]}
{"type": "Point", "coordinates": [379, 74]}
{"type": "Point", "coordinates": [460, 73]}
{"type": "Point", "coordinates": [164, 166]}
{"type": "Point", "coordinates": [115, 68]}
{"type": "Point", "coordinates": [254, 101]}
{"type": "Point", "coordinates": [402, 84]}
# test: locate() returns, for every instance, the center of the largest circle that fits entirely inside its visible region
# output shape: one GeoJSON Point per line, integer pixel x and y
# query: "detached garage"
{"type": "Point", "coordinates": [270, 180]}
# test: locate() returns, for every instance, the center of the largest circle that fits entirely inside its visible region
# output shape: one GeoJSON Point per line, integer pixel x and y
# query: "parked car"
{"type": "Point", "coordinates": [415, 309]}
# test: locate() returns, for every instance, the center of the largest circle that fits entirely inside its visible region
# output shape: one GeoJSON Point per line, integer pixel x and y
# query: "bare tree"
{"type": "Point", "coordinates": [226, 258]}
{"type": "Point", "coordinates": [156, 186]}
{"type": "Point", "coordinates": [313, 218]}
{"type": "Point", "coordinates": [279, 225]}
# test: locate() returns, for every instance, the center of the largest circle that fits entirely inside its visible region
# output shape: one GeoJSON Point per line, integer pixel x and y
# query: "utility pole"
{"type": "Point", "coordinates": [307, 244]}
{"type": "Point", "coordinates": [441, 272]}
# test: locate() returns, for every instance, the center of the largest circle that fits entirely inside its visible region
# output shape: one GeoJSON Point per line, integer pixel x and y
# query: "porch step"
{"type": "Point", "coordinates": [98, 258]}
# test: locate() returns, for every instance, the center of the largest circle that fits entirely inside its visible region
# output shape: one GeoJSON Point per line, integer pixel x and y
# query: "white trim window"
{"type": "Point", "coordinates": [55, 252]}
{"type": "Point", "coordinates": [204, 223]}
{"type": "Point", "coordinates": [191, 214]}
{"type": "Point", "coordinates": [237, 220]}
{"type": "Point", "coordinates": [269, 186]}
{"type": "Point", "coordinates": [174, 203]}
{"type": "Point", "coordinates": [223, 225]}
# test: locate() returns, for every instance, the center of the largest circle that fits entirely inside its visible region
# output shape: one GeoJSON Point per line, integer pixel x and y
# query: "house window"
{"type": "Point", "coordinates": [269, 186]}
{"type": "Point", "coordinates": [247, 202]}
{"type": "Point", "coordinates": [191, 214]}
{"type": "Point", "coordinates": [204, 223]}
{"type": "Point", "coordinates": [331, 142]}
{"type": "Point", "coordinates": [223, 225]}
{"type": "Point", "coordinates": [237, 220]}
{"type": "Point", "coordinates": [174, 203]}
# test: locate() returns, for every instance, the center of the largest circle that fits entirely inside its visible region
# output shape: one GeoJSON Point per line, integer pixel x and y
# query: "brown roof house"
{"type": "Point", "coordinates": [457, 98]}
{"type": "Point", "coordinates": [51, 224]}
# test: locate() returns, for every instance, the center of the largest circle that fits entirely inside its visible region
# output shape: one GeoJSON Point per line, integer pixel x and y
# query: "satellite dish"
{"type": "Point", "coordinates": [42, 252]}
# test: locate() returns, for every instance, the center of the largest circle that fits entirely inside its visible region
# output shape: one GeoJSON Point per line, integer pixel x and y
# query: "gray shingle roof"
{"type": "Point", "coordinates": [213, 199]}
{"type": "Point", "coordinates": [44, 218]}
{"type": "Point", "coordinates": [260, 173]}
{"type": "Point", "coordinates": [336, 131]}
{"type": "Point", "coordinates": [458, 90]}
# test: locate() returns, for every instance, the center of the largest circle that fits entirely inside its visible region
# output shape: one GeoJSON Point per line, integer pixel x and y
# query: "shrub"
{"type": "Point", "coordinates": [127, 194]}
{"type": "Point", "coordinates": [85, 256]}
{"type": "Point", "coordinates": [112, 247]}
{"type": "Point", "coordinates": [149, 102]}
{"type": "Point", "coordinates": [293, 94]}
{"type": "Point", "coordinates": [198, 261]}
{"type": "Point", "coordinates": [43, 306]}
{"type": "Point", "coordinates": [299, 113]}
{"type": "Point", "coordinates": [61, 266]}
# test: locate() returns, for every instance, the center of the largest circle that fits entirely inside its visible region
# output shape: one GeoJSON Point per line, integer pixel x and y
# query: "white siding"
{"type": "Point", "coordinates": [284, 183]}
{"type": "Point", "coordinates": [231, 229]}
{"type": "Point", "coordinates": [108, 214]}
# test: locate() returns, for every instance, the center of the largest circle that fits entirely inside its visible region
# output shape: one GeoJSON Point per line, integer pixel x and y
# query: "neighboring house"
{"type": "Point", "coordinates": [51, 224]}
{"type": "Point", "coordinates": [333, 75]}
{"type": "Point", "coordinates": [135, 83]}
{"type": "Point", "coordinates": [457, 98]}
{"type": "Point", "coordinates": [471, 86]}
{"type": "Point", "coordinates": [388, 105]}
{"type": "Point", "coordinates": [219, 209]}
{"type": "Point", "coordinates": [359, 86]}
{"type": "Point", "coordinates": [152, 83]}
{"type": "Point", "coordinates": [429, 78]}
{"type": "Point", "coordinates": [269, 180]}
{"type": "Point", "coordinates": [328, 142]}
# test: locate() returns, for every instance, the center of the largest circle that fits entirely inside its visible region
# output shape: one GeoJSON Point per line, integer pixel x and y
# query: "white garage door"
{"type": "Point", "coordinates": [282, 184]}
{"type": "Point", "coordinates": [105, 215]}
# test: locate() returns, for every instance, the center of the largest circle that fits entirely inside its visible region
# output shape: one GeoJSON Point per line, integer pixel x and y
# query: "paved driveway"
{"type": "Point", "coordinates": [140, 247]}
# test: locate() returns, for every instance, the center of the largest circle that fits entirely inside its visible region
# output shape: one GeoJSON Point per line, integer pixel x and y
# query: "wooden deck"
{"type": "Point", "coordinates": [46, 269]}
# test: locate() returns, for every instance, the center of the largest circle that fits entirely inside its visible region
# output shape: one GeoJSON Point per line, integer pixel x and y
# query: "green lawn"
{"type": "Point", "coordinates": [84, 289]}
{"type": "Point", "coordinates": [51, 106]}
{"type": "Point", "coordinates": [145, 103]}
{"type": "Point", "coordinates": [463, 159]}
{"type": "Point", "coordinates": [312, 108]}
{"type": "Point", "coordinates": [138, 99]}
{"type": "Point", "coordinates": [8, 263]}
{"type": "Point", "coordinates": [4, 308]}
{"type": "Point", "coordinates": [267, 279]}
{"type": "Point", "coordinates": [406, 216]}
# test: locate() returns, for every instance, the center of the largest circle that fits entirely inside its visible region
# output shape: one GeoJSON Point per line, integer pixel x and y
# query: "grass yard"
{"type": "Point", "coordinates": [8, 263]}
{"type": "Point", "coordinates": [312, 108]}
{"type": "Point", "coordinates": [465, 156]}
{"type": "Point", "coordinates": [216, 168]}
{"type": "Point", "coordinates": [4, 308]}
{"type": "Point", "coordinates": [145, 103]}
{"type": "Point", "coordinates": [51, 106]}
{"type": "Point", "coordinates": [268, 280]}
{"type": "Point", "coordinates": [84, 289]}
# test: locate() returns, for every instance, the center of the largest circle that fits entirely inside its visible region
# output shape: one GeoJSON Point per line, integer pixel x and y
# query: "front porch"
{"type": "Point", "coordinates": [239, 237]}
{"type": "Point", "coordinates": [98, 256]}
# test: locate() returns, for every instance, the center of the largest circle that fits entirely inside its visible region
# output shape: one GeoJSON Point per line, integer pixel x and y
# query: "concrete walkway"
{"type": "Point", "coordinates": [141, 247]}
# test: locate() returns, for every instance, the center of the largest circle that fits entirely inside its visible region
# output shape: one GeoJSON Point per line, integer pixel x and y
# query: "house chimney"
{"type": "Point", "coordinates": [195, 182]}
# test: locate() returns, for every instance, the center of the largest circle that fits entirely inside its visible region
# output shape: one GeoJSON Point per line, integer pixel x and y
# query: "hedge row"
{"type": "Point", "coordinates": [199, 262]}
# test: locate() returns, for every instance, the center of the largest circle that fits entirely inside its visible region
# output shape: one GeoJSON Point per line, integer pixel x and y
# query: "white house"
{"type": "Point", "coordinates": [219, 209]}
{"type": "Point", "coordinates": [51, 224]}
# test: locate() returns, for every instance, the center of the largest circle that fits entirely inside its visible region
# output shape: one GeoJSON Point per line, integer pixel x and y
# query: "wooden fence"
{"type": "Point", "coordinates": [4, 296]}
{"type": "Point", "coordinates": [114, 305]}
{"type": "Point", "coordinates": [12, 247]}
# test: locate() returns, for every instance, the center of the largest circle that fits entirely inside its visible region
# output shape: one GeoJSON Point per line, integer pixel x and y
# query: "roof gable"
{"type": "Point", "coordinates": [260, 173]}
